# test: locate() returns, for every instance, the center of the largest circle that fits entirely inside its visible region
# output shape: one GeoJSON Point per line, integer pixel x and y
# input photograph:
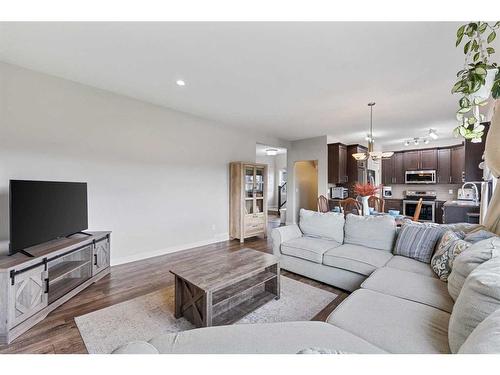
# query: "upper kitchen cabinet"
{"type": "Point", "coordinates": [416, 160]}
{"type": "Point", "coordinates": [458, 164]}
{"type": "Point", "coordinates": [337, 163]}
{"type": "Point", "coordinates": [393, 171]}
{"type": "Point", "coordinates": [411, 160]}
{"type": "Point", "coordinates": [444, 166]}
{"type": "Point", "coordinates": [356, 169]}
{"type": "Point", "coordinates": [428, 159]}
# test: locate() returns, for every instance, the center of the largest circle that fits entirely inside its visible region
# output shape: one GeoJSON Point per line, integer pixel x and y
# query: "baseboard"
{"type": "Point", "coordinates": [151, 254]}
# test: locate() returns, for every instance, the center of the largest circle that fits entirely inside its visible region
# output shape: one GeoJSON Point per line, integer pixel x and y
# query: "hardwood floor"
{"type": "Point", "coordinates": [58, 332]}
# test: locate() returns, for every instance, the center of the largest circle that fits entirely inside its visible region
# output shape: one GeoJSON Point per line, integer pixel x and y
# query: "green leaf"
{"type": "Point", "coordinates": [495, 90]}
{"type": "Point", "coordinates": [482, 28]}
{"type": "Point", "coordinates": [467, 46]}
{"type": "Point", "coordinates": [472, 120]}
{"type": "Point", "coordinates": [456, 87]}
{"type": "Point", "coordinates": [480, 71]}
{"type": "Point", "coordinates": [475, 45]}
{"type": "Point", "coordinates": [479, 128]}
{"type": "Point", "coordinates": [459, 40]}
{"type": "Point", "coordinates": [460, 31]}
{"type": "Point", "coordinates": [476, 56]}
{"type": "Point", "coordinates": [491, 37]}
{"type": "Point", "coordinates": [490, 50]}
{"type": "Point", "coordinates": [464, 102]}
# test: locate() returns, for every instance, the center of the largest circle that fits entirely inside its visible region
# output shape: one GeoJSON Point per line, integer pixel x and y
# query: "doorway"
{"type": "Point", "coordinates": [306, 185]}
{"type": "Point", "coordinates": [276, 160]}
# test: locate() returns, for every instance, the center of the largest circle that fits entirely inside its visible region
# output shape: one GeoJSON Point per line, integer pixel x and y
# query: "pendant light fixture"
{"type": "Point", "coordinates": [370, 154]}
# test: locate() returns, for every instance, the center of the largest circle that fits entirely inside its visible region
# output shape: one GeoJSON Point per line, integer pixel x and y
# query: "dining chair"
{"type": "Point", "coordinates": [417, 210]}
{"type": "Point", "coordinates": [348, 205]}
{"type": "Point", "coordinates": [377, 203]}
{"type": "Point", "coordinates": [323, 205]}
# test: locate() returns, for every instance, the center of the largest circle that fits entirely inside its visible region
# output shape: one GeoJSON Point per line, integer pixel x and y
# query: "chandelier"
{"type": "Point", "coordinates": [370, 154]}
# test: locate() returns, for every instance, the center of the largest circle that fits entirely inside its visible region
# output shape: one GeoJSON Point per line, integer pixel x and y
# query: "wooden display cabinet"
{"type": "Point", "coordinates": [247, 200]}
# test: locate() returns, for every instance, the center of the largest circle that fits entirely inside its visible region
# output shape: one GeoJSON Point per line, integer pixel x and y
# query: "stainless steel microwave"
{"type": "Point", "coordinates": [420, 177]}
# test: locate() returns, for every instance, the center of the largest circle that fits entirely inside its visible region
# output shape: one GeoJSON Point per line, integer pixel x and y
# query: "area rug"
{"type": "Point", "coordinates": [153, 314]}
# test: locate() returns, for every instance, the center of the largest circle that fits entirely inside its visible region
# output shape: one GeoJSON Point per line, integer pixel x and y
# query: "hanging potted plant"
{"type": "Point", "coordinates": [479, 78]}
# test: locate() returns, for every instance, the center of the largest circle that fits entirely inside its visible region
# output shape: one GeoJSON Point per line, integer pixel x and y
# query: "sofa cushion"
{"type": "Point", "coordinates": [410, 265]}
{"type": "Point", "coordinates": [355, 258]}
{"type": "Point", "coordinates": [450, 246]}
{"type": "Point", "coordinates": [328, 225]}
{"type": "Point", "coordinates": [418, 240]}
{"type": "Point", "coordinates": [272, 338]}
{"type": "Point", "coordinates": [468, 260]}
{"type": "Point", "coordinates": [478, 235]}
{"type": "Point", "coordinates": [410, 286]}
{"type": "Point", "coordinates": [479, 297]}
{"type": "Point", "coordinates": [485, 339]}
{"type": "Point", "coordinates": [376, 232]}
{"type": "Point", "coordinates": [308, 248]}
{"type": "Point", "coordinates": [393, 324]}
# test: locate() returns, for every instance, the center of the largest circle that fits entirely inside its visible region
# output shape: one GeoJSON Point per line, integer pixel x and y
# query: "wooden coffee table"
{"type": "Point", "coordinates": [221, 289]}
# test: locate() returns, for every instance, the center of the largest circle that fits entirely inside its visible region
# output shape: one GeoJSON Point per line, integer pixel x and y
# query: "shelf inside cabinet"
{"type": "Point", "coordinates": [62, 269]}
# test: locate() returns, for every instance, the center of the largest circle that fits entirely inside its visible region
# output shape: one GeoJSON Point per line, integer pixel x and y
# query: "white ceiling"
{"type": "Point", "coordinates": [291, 80]}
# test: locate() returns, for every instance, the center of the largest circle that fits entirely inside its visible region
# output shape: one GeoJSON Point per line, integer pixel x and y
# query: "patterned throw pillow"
{"type": "Point", "coordinates": [417, 240]}
{"type": "Point", "coordinates": [449, 247]}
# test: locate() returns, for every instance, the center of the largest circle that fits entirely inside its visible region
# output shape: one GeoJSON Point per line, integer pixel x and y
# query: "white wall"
{"type": "Point", "coordinates": [157, 178]}
{"type": "Point", "coordinates": [302, 150]}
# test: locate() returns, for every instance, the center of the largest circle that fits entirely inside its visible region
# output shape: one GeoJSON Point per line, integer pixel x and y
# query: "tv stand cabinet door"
{"type": "Point", "coordinates": [27, 294]}
{"type": "Point", "coordinates": [101, 256]}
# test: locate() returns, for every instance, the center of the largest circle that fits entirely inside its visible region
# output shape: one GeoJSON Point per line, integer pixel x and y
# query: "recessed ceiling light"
{"type": "Point", "coordinates": [271, 152]}
{"type": "Point", "coordinates": [426, 141]}
{"type": "Point", "coordinates": [415, 141]}
{"type": "Point", "coordinates": [180, 82]}
{"type": "Point", "coordinates": [407, 143]}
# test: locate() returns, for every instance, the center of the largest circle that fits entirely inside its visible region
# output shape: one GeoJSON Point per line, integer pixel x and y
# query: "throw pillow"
{"type": "Point", "coordinates": [418, 240]}
{"type": "Point", "coordinates": [480, 296]}
{"type": "Point", "coordinates": [328, 225]}
{"type": "Point", "coordinates": [479, 235]}
{"type": "Point", "coordinates": [468, 260]}
{"type": "Point", "coordinates": [376, 232]}
{"type": "Point", "coordinates": [447, 249]}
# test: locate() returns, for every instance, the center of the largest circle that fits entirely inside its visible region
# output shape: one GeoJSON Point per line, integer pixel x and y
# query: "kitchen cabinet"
{"type": "Point", "coordinates": [443, 166]}
{"type": "Point", "coordinates": [439, 212]}
{"type": "Point", "coordinates": [417, 160]}
{"type": "Point", "coordinates": [458, 164]}
{"type": "Point", "coordinates": [428, 159]}
{"type": "Point", "coordinates": [393, 171]}
{"type": "Point", "coordinates": [393, 204]}
{"type": "Point", "coordinates": [411, 160]}
{"type": "Point", "coordinates": [337, 163]}
{"type": "Point", "coordinates": [356, 169]}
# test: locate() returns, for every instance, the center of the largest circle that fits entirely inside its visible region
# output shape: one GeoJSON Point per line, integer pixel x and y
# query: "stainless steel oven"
{"type": "Point", "coordinates": [420, 177]}
{"type": "Point", "coordinates": [427, 213]}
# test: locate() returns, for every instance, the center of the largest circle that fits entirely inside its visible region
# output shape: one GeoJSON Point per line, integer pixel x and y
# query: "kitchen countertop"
{"type": "Point", "coordinates": [457, 203]}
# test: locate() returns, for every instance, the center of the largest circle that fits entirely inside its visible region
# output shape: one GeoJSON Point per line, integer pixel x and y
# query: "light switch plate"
{"type": "Point", "coordinates": [450, 191]}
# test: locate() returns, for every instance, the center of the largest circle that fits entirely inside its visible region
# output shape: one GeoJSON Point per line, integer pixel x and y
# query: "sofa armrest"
{"type": "Point", "coordinates": [283, 234]}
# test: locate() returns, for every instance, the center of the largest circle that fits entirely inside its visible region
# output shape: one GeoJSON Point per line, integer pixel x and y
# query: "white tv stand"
{"type": "Point", "coordinates": [30, 288]}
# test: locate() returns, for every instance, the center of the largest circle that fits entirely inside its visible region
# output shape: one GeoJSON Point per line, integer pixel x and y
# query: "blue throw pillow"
{"type": "Point", "coordinates": [418, 240]}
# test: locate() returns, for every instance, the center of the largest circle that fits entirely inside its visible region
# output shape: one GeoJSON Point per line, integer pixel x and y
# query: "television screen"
{"type": "Point", "coordinates": [41, 211]}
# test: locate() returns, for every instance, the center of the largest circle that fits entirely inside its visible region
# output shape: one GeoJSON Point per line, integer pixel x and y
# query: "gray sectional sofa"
{"type": "Point", "coordinates": [398, 305]}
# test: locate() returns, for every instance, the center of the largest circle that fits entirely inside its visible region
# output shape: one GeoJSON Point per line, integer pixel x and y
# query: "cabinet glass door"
{"type": "Point", "coordinates": [249, 181]}
{"type": "Point", "coordinates": [259, 182]}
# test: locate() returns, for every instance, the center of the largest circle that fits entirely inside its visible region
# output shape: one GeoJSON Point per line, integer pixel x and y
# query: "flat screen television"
{"type": "Point", "coordinates": [41, 211]}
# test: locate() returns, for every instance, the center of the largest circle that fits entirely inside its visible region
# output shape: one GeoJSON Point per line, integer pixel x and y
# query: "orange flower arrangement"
{"type": "Point", "coordinates": [365, 190]}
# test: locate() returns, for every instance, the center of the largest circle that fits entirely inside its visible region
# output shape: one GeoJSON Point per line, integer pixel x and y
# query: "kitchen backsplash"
{"type": "Point", "coordinates": [442, 191]}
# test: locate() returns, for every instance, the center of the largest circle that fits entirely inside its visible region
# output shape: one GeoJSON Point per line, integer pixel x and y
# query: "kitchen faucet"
{"type": "Point", "coordinates": [476, 192]}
